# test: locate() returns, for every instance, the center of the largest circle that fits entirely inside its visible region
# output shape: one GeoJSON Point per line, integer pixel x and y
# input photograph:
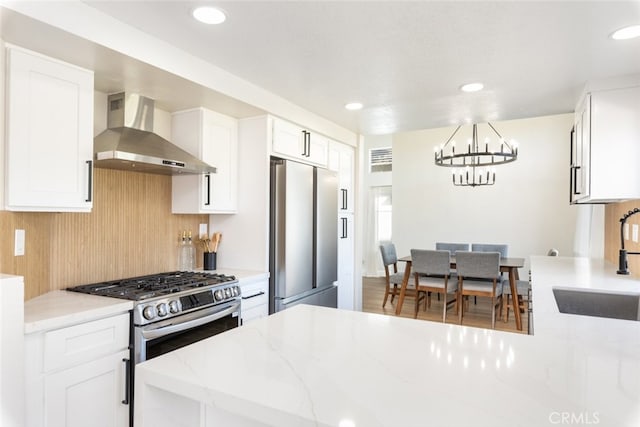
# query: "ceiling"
{"type": "Point", "coordinates": [405, 61]}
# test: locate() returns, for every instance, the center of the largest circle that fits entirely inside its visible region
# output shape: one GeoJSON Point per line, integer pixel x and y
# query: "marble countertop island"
{"type": "Point", "coordinates": [314, 366]}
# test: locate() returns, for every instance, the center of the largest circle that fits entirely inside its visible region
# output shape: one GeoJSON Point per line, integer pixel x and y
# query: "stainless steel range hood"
{"type": "Point", "coordinates": [130, 144]}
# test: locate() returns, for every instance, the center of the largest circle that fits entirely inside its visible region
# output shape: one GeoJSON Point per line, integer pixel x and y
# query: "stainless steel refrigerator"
{"type": "Point", "coordinates": [303, 250]}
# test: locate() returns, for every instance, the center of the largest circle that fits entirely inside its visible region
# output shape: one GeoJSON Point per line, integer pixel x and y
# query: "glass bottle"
{"type": "Point", "coordinates": [183, 253]}
{"type": "Point", "coordinates": [191, 253]}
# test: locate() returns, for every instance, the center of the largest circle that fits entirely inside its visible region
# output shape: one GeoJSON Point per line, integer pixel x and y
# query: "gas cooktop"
{"type": "Point", "coordinates": [155, 285]}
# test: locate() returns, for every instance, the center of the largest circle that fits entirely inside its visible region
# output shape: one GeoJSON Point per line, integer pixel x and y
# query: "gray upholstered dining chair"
{"type": "Point", "coordinates": [502, 249]}
{"type": "Point", "coordinates": [389, 260]}
{"type": "Point", "coordinates": [479, 275]}
{"type": "Point", "coordinates": [452, 247]}
{"type": "Point", "coordinates": [431, 272]}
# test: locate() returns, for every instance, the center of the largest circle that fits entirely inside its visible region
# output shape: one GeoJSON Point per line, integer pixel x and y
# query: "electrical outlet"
{"type": "Point", "coordinates": [634, 232]}
{"type": "Point", "coordinates": [18, 249]}
{"type": "Point", "coordinates": [625, 230]}
{"type": "Point", "coordinates": [203, 231]}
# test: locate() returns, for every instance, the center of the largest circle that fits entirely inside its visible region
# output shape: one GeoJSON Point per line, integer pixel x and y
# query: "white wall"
{"type": "Point", "coordinates": [2, 119]}
{"type": "Point", "coordinates": [527, 208]}
{"type": "Point", "coordinates": [245, 235]}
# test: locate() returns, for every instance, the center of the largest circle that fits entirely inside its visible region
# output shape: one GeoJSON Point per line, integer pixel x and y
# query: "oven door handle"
{"type": "Point", "coordinates": [183, 326]}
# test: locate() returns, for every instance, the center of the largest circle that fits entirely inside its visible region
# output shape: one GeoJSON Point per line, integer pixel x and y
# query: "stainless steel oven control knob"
{"type": "Point", "coordinates": [173, 306]}
{"type": "Point", "coordinates": [227, 293]}
{"type": "Point", "coordinates": [218, 295]}
{"type": "Point", "coordinates": [162, 309]}
{"type": "Point", "coordinates": [236, 291]}
{"type": "Point", "coordinates": [149, 313]}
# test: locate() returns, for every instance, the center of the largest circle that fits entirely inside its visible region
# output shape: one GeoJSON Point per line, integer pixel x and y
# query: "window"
{"type": "Point", "coordinates": [380, 160]}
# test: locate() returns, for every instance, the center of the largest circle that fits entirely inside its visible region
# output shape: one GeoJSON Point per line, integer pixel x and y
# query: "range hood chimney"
{"type": "Point", "coordinates": [130, 144]}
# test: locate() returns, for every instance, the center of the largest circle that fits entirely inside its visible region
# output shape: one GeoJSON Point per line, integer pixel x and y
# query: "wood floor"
{"type": "Point", "coordinates": [478, 315]}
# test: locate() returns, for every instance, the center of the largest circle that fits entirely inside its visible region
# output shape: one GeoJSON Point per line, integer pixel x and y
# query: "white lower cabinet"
{"type": "Point", "coordinates": [88, 394]}
{"type": "Point", "coordinates": [255, 299]}
{"type": "Point", "coordinates": [346, 262]}
{"type": "Point", "coordinates": [11, 350]}
{"type": "Point", "coordinates": [76, 376]}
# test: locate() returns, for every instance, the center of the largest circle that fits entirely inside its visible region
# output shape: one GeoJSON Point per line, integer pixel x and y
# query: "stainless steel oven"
{"type": "Point", "coordinates": [161, 337]}
{"type": "Point", "coordinates": [172, 310]}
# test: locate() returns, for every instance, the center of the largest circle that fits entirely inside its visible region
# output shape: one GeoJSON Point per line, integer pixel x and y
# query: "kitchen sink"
{"type": "Point", "coordinates": [598, 303]}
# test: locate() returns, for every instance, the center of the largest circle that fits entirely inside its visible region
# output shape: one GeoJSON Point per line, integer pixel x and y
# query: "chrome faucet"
{"type": "Point", "coordinates": [623, 267]}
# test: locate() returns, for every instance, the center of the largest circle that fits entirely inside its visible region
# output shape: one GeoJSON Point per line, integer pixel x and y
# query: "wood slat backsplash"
{"type": "Point", "coordinates": [130, 231]}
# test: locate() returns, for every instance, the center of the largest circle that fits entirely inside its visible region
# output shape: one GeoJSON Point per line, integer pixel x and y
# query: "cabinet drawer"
{"type": "Point", "coordinates": [85, 342]}
{"type": "Point", "coordinates": [254, 294]}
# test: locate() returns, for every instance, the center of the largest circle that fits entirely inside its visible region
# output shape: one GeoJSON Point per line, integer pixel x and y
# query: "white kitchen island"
{"type": "Point", "coordinates": [314, 366]}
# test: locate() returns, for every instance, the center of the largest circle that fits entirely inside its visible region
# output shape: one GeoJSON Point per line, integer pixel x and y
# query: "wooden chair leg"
{"type": "Point", "coordinates": [444, 309]}
{"type": "Point", "coordinates": [386, 295]}
{"type": "Point", "coordinates": [505, 311]}
{"type": "Point", "coordinates": [395, 291]}
{"type": "Point", "coordinates": [493, 313]}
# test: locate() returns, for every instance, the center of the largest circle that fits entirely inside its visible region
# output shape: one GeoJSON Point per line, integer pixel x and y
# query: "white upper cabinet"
{"type": "Point", "coordinates": [49, 146]}
{"type": "Point", "coordinates": [294, 142]}
{"type": "Point", "coordinates": [213, 138]}
{"type": "Point", "coordinates": [341, 160]}
{"type": "Point", "coordinates": [605, 148]}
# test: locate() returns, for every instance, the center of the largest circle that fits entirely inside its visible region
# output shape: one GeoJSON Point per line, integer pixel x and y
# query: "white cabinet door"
{"type": "Point", "coordinates": [49, 134]}
{"type": "Point", "coordinates": [90, 394]}
{"type": "Point", "coordinates": [605, 151]}
{"type": "Point", "coordinates": [346, 258]}
{"type": "Point", "coordinates": [213, 138]}
{"type": "Point", "coordinates": [255, 299]}
{"type": "Point", "coordinates": [580, 151]}
{"type": "Point", "coordinates": [12, 379]}
{"type": "Point", "coordinates": [292, 141]}
{"type": "Point", "coordinates": [614, 141]}
{"type": "Point", "coordinates": [341, 160]}
{"type": "Point", "coordinates": [317, 149]}
{"type": "Point", "coordinates": [288, 139]}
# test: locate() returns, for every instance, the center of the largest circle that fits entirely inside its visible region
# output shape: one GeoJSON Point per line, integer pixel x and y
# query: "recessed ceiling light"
{"type": "Point", "coordinates": [209, 15]}
{"type": "Point", "coordinates": [472, 87]}
{"type": "Point", "coordinates": [353, 106]}
{"type": "Point", "coordinates": [626, 33]}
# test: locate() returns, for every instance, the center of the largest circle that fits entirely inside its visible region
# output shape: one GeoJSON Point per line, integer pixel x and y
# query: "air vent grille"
{"type": "Point", "coordinates": [380, 159]}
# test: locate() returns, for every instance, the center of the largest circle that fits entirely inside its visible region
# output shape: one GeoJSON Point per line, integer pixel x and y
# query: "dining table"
{"type": "Point", "coordinates": [509, 265]}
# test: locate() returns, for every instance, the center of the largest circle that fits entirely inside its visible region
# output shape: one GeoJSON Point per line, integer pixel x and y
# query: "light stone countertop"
{"type": "Point", "coordinates": [58, 309]}
{"type": "Point", "coordinates": [315, 366]}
